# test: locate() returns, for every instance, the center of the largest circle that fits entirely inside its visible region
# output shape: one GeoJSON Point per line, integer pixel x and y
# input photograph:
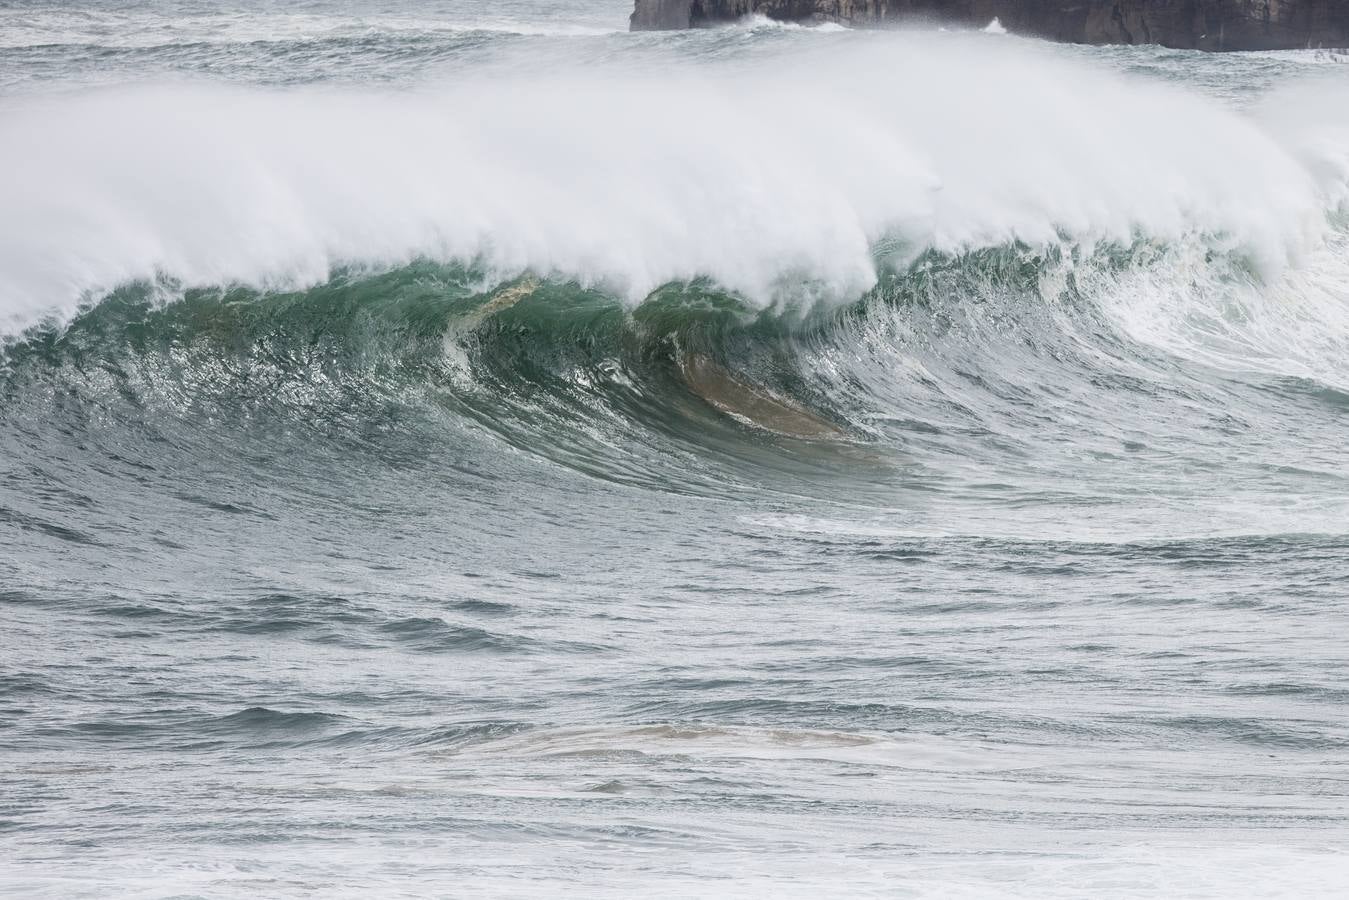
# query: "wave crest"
{"type": "Point", "coordinates": [777, 177]}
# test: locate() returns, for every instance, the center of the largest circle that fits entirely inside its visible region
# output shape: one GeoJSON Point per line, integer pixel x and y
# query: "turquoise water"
{"type": "Point", "coordinates": [477, 451]}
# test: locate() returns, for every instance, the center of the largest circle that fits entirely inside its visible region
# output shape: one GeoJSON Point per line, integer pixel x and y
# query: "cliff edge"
{"type": "Point", "coordinates": [1184, 24]}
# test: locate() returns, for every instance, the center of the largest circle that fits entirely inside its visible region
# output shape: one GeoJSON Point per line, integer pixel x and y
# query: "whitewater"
{"type": "Point", "coordinates": [474, 449]}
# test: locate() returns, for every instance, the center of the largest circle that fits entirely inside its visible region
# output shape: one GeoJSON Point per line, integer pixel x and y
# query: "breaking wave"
{"type": "Point", "coordinates": [860, 247]}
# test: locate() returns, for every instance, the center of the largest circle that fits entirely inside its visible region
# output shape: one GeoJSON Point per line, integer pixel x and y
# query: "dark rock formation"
{"type": "Point", "coordinates": [1189, 24]}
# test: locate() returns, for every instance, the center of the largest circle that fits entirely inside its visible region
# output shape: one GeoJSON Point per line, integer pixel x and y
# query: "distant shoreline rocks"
{"type": "Point", "coordinates": [1181, 24]}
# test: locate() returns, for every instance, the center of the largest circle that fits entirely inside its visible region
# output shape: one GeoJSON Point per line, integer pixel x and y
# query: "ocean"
{"type": "Point", "coordinates": [466, 449]}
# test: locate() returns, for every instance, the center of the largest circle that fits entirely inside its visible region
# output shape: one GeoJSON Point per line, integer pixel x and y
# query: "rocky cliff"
{"type": "Point", "coordinates": [1190, 24]}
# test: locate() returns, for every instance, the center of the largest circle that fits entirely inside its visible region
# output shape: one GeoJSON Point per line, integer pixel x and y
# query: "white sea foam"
{"type": "Point", "coordinates": [759, 20]}
{"type": "Point", "coordinates": [1114, 865]}
{"type": "Point", "coordinates": [1296, 325]}
{"type": "Point", "coordinates": [771, 173]}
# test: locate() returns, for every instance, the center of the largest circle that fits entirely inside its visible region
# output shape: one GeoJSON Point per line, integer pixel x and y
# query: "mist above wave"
{"type": "Point", "coordinates": [776, 177]}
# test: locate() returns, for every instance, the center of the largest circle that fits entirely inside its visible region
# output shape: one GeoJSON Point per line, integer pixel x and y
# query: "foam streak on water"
{"type": "Point", "coordinates": [484, 451]}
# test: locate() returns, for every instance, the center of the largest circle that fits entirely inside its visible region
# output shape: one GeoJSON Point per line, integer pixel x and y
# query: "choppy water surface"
{"type": "Point", "coordinates": [474, 450]}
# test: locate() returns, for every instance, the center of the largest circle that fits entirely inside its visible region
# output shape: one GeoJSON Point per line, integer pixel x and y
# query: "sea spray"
{"type": "Point", "coordinates": [776, 177]}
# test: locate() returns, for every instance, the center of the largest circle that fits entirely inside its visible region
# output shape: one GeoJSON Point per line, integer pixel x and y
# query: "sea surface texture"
{"type": "Point", "coordinates": [467, 449]}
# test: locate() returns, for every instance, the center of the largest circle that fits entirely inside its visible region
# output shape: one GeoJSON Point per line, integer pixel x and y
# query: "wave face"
{"type": "Point", "coordinates": [919, 455]}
